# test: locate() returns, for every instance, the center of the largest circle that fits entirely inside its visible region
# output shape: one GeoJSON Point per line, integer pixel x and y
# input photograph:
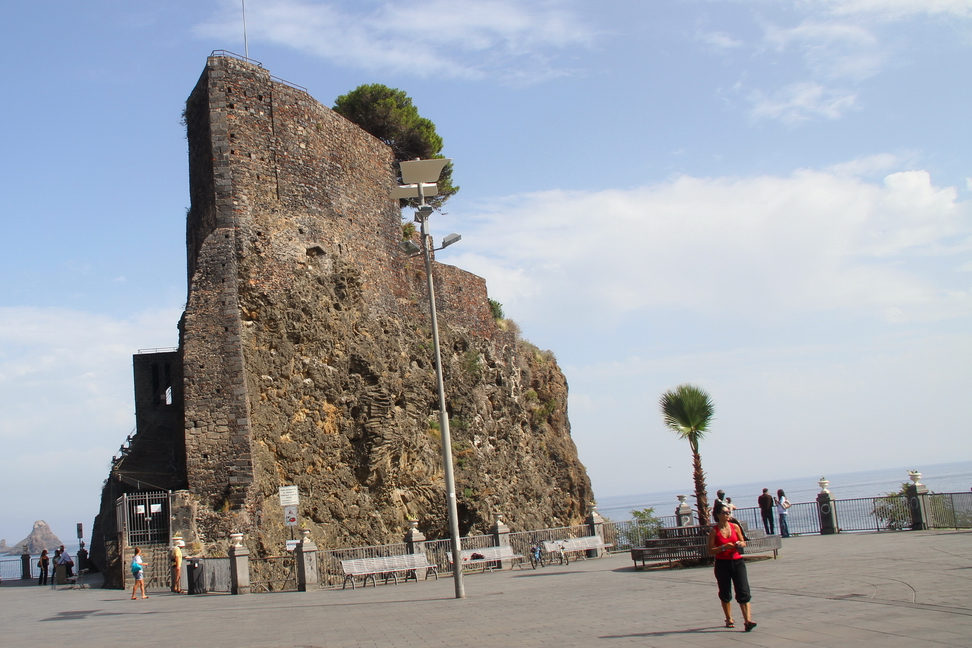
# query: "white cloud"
{"type": "Point", "coordinates": [830, 49]}
{"type": "Point", "coordinates": [840, 43]}
{"type": "Point", "coordinates": [741, 248]}
{"type": "Point", "coordinates": [898, 9]}
{"type": "Point", "coordinates": [515, 41]}
{"type": "Point", "coordinates": [720, 40]}
{"type": "Point", "coordinates": [799, 102]}
{"type": "Point", "coordinates": [868, 165]}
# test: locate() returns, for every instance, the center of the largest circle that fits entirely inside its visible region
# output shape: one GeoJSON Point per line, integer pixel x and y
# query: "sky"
{"type": "Point", "coordinates": [766, 198]}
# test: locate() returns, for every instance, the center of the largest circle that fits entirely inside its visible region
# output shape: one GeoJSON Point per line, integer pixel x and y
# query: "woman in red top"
{"type": "Point", "coordinates": [725, 541]}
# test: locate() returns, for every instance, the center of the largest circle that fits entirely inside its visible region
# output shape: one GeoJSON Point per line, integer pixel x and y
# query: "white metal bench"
{"type": "Point", "coordinates": [757, 542]}
{"type": "Point", "coordinates": [487, 556]}
{"type": "Point", "coordinates": [387, 566]}
{"type": "Point", "coordinates": [560, 548]}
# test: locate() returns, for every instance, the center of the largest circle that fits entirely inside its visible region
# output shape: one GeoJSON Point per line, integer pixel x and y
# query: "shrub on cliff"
{"type": "Point", "coordinates": [388, 114]}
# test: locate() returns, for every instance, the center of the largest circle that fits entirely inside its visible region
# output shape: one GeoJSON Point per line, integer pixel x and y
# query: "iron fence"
{"type": "Point", "coordinates": [521, 541]}
{"type": "Point", "coordinates": [11, 569]}
{"type": "Point", "coordinates": [437, 550]}
{"type": "Point", "coordinates": [951, 510]}
{"type": "Point", "coordinates": [270, 574]}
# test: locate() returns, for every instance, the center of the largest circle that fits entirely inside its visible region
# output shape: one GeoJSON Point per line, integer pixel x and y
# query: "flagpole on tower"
{"type": "Point", "coordinates": [246, 46]}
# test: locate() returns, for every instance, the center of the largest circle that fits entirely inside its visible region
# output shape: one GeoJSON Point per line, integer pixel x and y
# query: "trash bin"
{"type": "Point", "coordinates": [196, 575]}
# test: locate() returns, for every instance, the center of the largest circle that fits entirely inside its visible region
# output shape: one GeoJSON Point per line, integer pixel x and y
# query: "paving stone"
{"type": "Point", "coordinates": [586, 604]}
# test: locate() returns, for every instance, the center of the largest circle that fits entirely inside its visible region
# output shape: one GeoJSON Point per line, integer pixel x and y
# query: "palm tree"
{"type": "Point", "coordinates": [687, 410]}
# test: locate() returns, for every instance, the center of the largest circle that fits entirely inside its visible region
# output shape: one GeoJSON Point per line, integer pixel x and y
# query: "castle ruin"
{"type": "Point", "coordinates": [305, 352]}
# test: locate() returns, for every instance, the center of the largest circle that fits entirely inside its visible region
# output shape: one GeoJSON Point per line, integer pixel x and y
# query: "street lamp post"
{"type": "Point", "coordinates": [420, 177]}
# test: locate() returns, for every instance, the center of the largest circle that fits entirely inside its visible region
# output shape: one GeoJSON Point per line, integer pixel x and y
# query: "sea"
{"type": "Point", "coordinates": [940, 478]}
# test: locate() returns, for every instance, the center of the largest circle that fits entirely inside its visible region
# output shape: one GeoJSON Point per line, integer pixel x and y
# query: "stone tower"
{"type": "Point", "coordinates": [305, 349]}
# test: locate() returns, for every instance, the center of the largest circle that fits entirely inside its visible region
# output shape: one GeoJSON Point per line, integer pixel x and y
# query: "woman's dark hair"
{"type": "Point", "coordinates": [780, 493]}
{"type": "Point", "coordinates": [719, 508]}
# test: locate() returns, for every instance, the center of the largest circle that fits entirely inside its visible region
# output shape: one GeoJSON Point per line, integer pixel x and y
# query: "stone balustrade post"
{"type": "Point", "coordinates": [415, 544]}
{"type": "Point", "coordinates": [25, 566]}
{"type": "Point", "coordinates": [684, 512]}
{"type": "Point", "coordinates": [501, 538]}
{"type": "Point", "coordinates": [826, 510]}
{"type": "Point", "coordinates": [239, 565]}
{"type": "Point", "coordinates": [917, 492]}
{"type": "Point", "coordinates": [595, 527]}
{"type": "Point", "coordinates": [306, 556]}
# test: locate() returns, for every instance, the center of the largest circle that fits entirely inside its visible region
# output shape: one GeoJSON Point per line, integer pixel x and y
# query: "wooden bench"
{"type": "Point", "coordinates": [387, 566]}
{"type": "Point", "coordinates": [558, 548]}
{"type": "Point", "coordinates": [691, 543]}
{"type": "Point", "coordinates": [487, 556]}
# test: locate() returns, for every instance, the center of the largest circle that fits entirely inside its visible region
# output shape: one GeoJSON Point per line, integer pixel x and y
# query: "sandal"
{"type": "Point", "coordinates": [750, 625]}
{"type": "Point", "coordinates": [730, 623]}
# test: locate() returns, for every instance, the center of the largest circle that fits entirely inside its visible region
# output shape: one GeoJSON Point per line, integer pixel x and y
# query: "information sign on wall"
{"type": "Point", "coordinates": [288, 496]}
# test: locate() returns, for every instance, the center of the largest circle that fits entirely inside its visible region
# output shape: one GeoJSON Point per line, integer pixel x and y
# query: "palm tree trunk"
{"type": "Point", "coordinates": [701, 496]}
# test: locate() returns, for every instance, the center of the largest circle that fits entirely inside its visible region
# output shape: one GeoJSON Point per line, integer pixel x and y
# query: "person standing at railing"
{"type": "Point", "coordinates": [766, 503]}
{"type": "Point", "coordinates": [65, 559]}
{"type": "Point", "coordinates": [177, 565]}
{"type": "Point", "coordinates": [43, 563]}
{"type": "Point", "coordinates": [782, 504]}
{"type": "Point", "coordinates": [725, 540]}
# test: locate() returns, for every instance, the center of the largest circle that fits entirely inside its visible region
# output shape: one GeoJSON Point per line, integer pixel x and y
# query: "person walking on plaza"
{"type": "Point", "coordinates": [725, 541]}
{"type": "Point", "coordinates": [43, 563]}
{"type": "Point", "coordinates": [766, 503]}
{"type": "Point", "coordinates": [782, 504]}
{"type": "Point", "coordinates": [138, 572]}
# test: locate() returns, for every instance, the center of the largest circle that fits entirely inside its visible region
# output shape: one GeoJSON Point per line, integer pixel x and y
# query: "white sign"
{"type": "Point", "coordinates": [288, 496]}
{"type": "Point", "coordinates": [290, 516]}
{"type": "Point", "coordinates": [292, 544]}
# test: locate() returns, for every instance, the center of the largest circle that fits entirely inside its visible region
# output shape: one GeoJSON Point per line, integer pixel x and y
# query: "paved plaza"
{"type": "Point", "coordinates": [889, 589]}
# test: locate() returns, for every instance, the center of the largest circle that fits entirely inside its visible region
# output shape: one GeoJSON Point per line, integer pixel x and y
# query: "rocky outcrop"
{"type": "Point", "coordinates": [344, 406]}
{"type": "Point", "coordinates": [40, 538]}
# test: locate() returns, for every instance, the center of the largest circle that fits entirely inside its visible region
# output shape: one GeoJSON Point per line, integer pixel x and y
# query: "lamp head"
{"type": "Point", "coordinates": [449, 240]}
{"type": "Point", "coordinates": [409, 248]}
{"type": "Point", "coordinates": [415, 171]}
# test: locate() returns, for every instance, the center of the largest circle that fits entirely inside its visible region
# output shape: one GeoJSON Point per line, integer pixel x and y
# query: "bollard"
{"type": "Point", "coordinates": [684, 512]}
{"type": "Point", "coordinates": [306, 556]}
{"type": "Point", "coordinates": [239, 565]}
{"type": "Point", "coordinates": [825, 509]}
{"type": "Point", "coordinates": [918, 503]}
{"type": "Point", "coordinates": [415, 544]}
{"type": "Point", "coordinates": [595, 527]}
{"type": "Point", "coordinates": [501, 538]}
{"type": "Point", "coordinates": [25, 566]}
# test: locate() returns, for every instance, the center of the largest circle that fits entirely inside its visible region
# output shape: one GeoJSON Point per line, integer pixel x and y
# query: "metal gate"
{"type": "Point", "coordinates": [144, 518]}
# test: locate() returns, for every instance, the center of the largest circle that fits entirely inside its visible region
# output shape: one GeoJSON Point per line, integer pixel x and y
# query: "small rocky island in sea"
{"type": "Point", "coordinates": [41, 537]}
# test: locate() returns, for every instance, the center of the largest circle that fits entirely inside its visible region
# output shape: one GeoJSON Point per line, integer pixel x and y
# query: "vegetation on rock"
{"type": "Point", "coordinates": [388, 114]}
